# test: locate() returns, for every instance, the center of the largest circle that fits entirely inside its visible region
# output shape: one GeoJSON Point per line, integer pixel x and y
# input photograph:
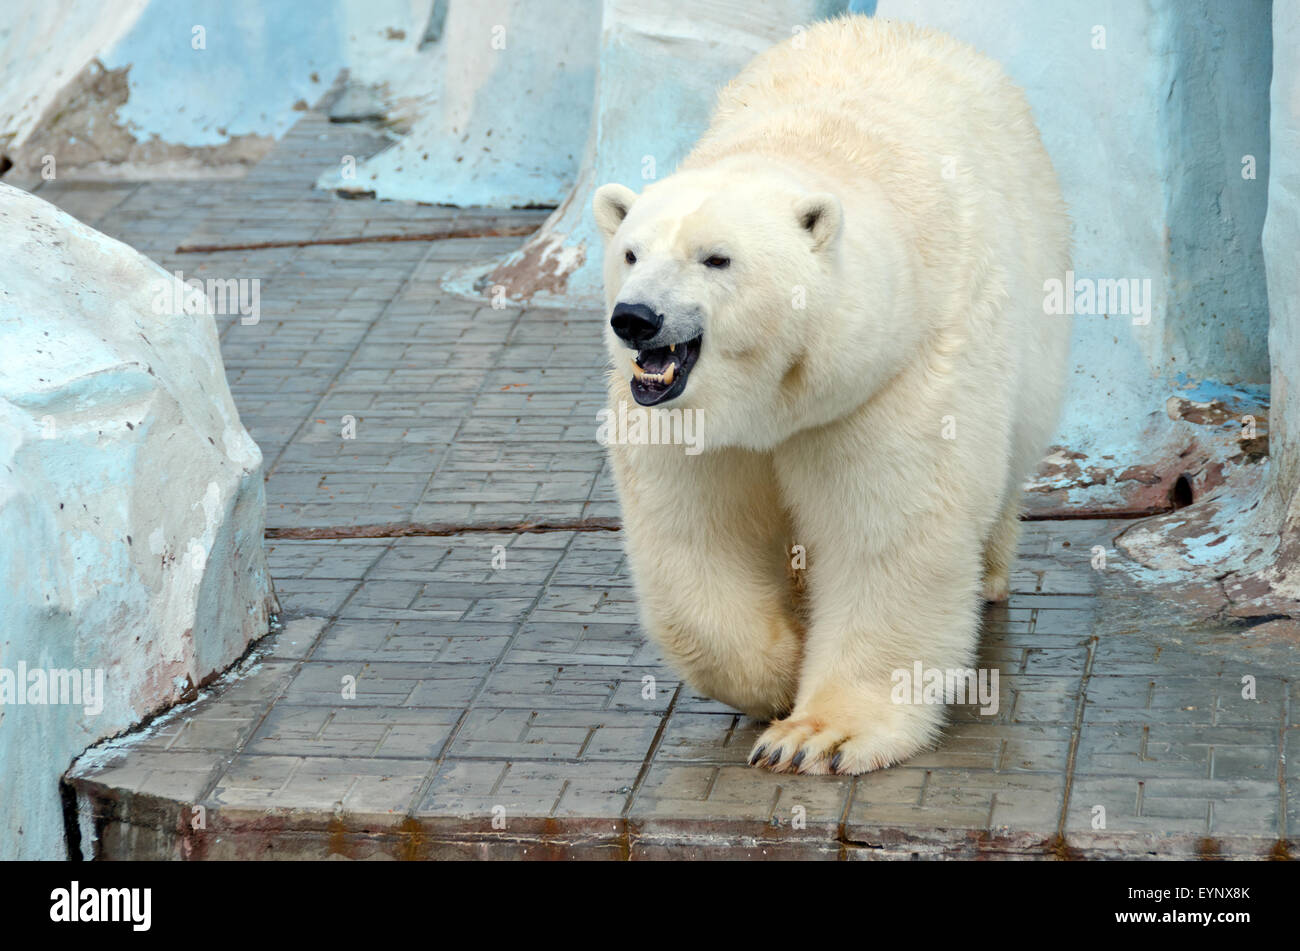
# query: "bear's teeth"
{"type": "Point", "coordinates": [665, 378]}
{"type": "Point", "coordinates": [672, 348]}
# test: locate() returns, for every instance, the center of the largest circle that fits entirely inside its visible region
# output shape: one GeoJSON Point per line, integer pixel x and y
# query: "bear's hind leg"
{"type": "Point", "coordinates": [1000, 551]}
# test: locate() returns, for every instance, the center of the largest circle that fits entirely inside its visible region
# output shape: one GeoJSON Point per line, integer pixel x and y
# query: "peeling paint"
{"type": "Point", "coordinates": [1207, 443]}
{"type": "Point", "coordinates": [83, 131]}
{"type": "Point", "coordinates": [542, 266]}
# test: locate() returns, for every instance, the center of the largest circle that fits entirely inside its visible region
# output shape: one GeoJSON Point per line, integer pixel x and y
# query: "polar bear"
{"type": "Point", "coordinates": [844, 282]}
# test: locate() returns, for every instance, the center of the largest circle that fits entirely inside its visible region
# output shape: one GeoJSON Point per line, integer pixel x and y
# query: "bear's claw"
{"type": "Point", "coordinates": [808, 747]}
{"type": "Point", "coordinates": [821, 745]}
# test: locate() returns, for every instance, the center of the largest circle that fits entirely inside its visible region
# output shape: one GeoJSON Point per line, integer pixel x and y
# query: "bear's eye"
{"type": "Point", "coordinates": [629, 257]}
{"type": "Point", "coordinates": [717, 260]}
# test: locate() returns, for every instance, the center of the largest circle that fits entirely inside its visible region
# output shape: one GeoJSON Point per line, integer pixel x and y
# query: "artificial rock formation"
{"type": "Point", "coordinates": [131, 505]}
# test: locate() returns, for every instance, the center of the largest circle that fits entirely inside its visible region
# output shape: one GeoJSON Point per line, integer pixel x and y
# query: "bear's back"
{"type": "Point", "coordinates": [874, 68]}
{"type": "Point", "coordinates": [938, 126]}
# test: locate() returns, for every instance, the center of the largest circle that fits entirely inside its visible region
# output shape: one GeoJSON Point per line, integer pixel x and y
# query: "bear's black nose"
{"type": "Point", "coordinates": [635, 323]}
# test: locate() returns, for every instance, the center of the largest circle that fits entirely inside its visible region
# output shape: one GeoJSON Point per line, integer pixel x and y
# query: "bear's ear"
{"type": "Point", "coordinates": [820, 216]}
{"type": "Point", "coordinates": [610, 206]}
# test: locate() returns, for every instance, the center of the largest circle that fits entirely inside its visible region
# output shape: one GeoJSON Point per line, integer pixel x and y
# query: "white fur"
{"type": "Point", "coordinates": [938, 218]}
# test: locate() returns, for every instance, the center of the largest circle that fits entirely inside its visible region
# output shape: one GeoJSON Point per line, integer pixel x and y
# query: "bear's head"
{"type": "Point", "coordinates": [710, 280]}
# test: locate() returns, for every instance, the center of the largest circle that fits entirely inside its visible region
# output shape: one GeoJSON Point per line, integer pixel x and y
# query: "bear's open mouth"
{"type": "Point", "coordinates": [660, 374]}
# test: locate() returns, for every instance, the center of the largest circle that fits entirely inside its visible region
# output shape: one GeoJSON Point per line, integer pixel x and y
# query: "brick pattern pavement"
{"type": "Point", "coordinates": [418, 694]}
{"type": "Point", "coordinates": [424, 700]}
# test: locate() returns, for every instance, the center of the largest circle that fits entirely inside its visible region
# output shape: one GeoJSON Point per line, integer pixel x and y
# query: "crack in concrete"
{"type": "Point", "coordinates": [443, 529]}
{"type": "Point", "coordinates": [440, 529]}
{"type": "Point", "coordinates": [506, 231]}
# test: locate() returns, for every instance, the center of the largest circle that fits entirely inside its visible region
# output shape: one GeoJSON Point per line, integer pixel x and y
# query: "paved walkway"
{"type": "Point", "coordinates": [422, 703]}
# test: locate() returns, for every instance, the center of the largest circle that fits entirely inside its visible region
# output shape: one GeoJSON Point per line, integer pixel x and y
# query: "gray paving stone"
{"type": "Point", "coordinates": [413, 642]}
{"type": "Point", "coordinates": [724, 739]}
{"type": "Point", "coordinates": [511, 790]}
{"type": "Point", "coordinates": [737, 793]}
{"type": "Point", "coordinates": [579, 687]}
{"type": "Point", "coordinates": [359, 786]}
{"type": "Point", "coordinates": [518, 733]}
{"type": "Point", "coordinates": [385, 684]}
{"type": "Point", "coordinates": [345, 731]}
{"type": "Point", "coordinates": [582, 643]}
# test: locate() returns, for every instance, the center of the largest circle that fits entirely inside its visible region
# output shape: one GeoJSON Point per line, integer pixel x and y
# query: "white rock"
{"type": "Point", "coordinates": [131, 503]}
{"type": "Point", "coordinates": [497, 113]}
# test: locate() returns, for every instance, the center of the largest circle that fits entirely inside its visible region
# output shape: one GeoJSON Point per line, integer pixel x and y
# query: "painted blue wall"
{"type": "Point", "coordinates": [258, 61]}
{"type": "Point", "coordinates": [1147, 110]}
{"type": "Point", "coordinates": [1215, 116]}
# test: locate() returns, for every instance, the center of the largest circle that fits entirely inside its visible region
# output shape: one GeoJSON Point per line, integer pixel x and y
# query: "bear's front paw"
{"type": "Point", "coordinates": [846, 743]}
